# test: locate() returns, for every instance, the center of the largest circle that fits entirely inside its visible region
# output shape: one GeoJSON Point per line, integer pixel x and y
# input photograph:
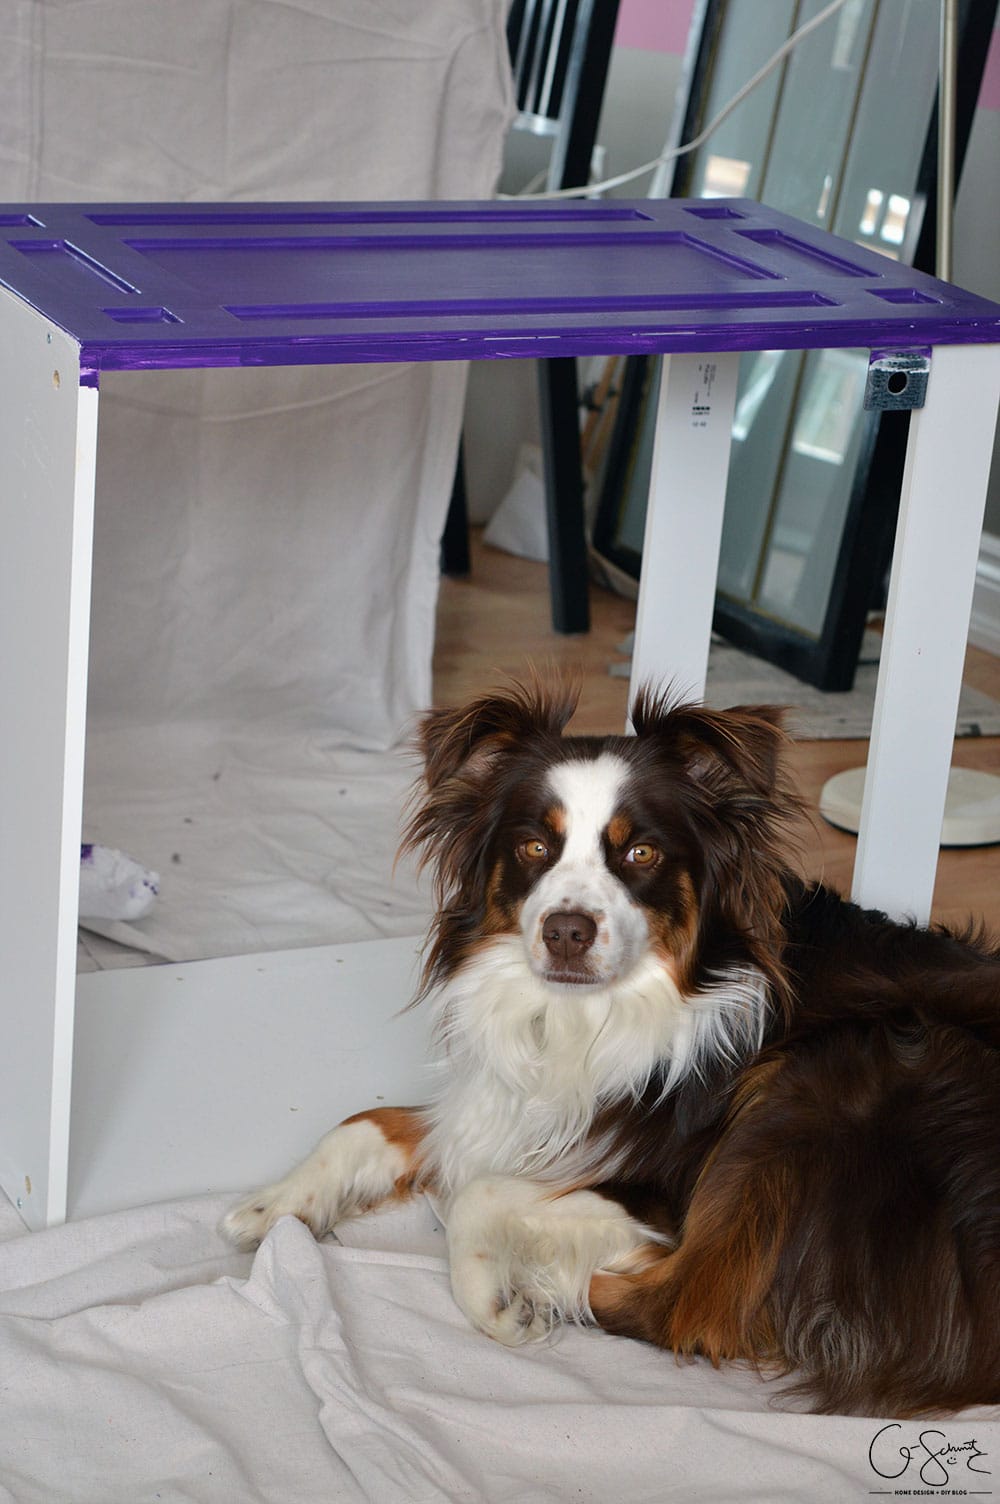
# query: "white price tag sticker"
{"type": "Point", "coordinates": [701, 406]}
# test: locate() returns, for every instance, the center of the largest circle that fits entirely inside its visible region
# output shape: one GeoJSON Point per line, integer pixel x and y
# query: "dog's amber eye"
{"type": "Point", "coordinates": [642, 854]}
{"type": "Point", "coordinates": [533, 850]}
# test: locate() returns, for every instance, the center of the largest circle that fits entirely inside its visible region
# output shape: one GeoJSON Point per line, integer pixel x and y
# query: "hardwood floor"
{"type": "Point", "coordinates": [496, 622]}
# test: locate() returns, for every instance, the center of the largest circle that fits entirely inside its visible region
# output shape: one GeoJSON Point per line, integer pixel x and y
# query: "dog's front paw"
{"type": "Point", "coordinates": [352, 1169]}
{"type": "Point", "coordinates": [311, 1193]}
{"type": "Point", "coordinates": [250, 1220]}
{"type": "Point", "coordinates": [496, 1278]}
{"type": "Point", "coordinates": [483, 1291]}
{"type": "Point", "coordinates": [522, 1256]}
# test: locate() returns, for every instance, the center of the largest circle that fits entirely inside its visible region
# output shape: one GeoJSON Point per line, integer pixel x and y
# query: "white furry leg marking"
{"type": "Point", "coordinates": [352, 1169]}
{"type": "Point", "coordinates": [522, 1259]}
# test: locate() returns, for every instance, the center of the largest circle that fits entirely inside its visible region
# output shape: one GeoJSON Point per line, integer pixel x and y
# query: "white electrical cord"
{"type": "Point", "coordinates": [585, 190]}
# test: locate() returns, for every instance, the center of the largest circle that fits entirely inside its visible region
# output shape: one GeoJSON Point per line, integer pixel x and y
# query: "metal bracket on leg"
{"type": "Point", "coordinates": [897, 383]}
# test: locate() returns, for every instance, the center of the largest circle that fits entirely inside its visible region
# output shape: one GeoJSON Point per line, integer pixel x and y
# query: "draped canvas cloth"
{"type": "Point", "coordinates": [141, 1359]}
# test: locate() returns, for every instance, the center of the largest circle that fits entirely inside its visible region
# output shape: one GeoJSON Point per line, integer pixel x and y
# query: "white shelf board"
{"type": "Point", "coordinates": [220, 1075]}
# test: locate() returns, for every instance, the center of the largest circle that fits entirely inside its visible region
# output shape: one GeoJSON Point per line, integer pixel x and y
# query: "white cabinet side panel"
{"type": "Point", "coordinates": [48, 429]}
{"type": "Point", "coordinates": [220, 1075]}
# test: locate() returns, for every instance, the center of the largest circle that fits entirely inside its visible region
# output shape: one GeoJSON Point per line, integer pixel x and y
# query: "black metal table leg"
{"type": "Point", "coordinates": [455, 557]}
{"type": "Point", "coordinates": [564, 494]}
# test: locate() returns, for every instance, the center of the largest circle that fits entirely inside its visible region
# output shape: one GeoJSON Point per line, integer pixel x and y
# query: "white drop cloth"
{"type": "Point", "coordinates": [266, 541]}
{"type": "Point", "coordinates": [263, 841]}
{"type": "Point", "coordinates": [141, 1359]}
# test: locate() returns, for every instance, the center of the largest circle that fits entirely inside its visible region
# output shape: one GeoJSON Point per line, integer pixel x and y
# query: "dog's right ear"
{"type": "Point", "coordinates": [451, 813]}
{"type": "Point", "coordinates": [469, 739]}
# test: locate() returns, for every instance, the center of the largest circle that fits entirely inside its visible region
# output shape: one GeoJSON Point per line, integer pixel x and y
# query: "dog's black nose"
{"type": "Point", "coordinates": [567, 936]}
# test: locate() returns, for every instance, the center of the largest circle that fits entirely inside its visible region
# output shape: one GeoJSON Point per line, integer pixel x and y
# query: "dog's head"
{"type": "Point", "coordinates": [599, 851]}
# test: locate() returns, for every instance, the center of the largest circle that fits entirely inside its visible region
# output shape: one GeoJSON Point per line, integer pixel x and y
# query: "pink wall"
{"type": "Point", "coordinates": [989, 94]}
{"type": "Point", "coordinates": [654, 25]}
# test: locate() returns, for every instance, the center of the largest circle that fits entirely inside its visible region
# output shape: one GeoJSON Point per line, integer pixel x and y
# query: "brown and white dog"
{"type": "Point", "coordinates": [684, 1095]}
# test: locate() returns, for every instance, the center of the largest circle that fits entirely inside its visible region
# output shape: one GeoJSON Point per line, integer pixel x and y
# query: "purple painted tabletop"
{"type": "Point", "coordinates": [157, 286]}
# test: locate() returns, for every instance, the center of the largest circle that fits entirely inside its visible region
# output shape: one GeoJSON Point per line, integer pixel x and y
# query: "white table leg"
{"type": "Point", "coordinates": [927, 622]}
{"type": "Point", "coordinates": [48, 447]}
{"type": "Point", "coordinates": [687, 496]}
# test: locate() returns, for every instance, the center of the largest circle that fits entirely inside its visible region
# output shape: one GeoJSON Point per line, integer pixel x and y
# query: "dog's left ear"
{"type": "Point", "coordinates": [753, 739]}
{"type": "Point", "coordinates": [744, 805]}
{"type": "Point", "coordinates": [716, 746]}
{"type": "Point", "coordinates": [470, 738]}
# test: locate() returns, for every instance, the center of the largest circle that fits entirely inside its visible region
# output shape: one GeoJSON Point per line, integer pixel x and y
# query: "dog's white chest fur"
{"type": "Point", "coordinates": [525, 1067]}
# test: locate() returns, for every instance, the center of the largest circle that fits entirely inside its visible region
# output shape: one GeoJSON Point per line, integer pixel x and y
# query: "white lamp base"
{"type": "Point", "coordinates": [971, 811]}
